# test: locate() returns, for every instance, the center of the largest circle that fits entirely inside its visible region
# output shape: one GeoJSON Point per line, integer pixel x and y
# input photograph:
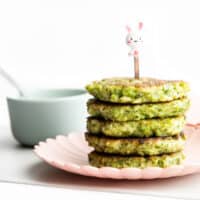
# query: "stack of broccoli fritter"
{"type": "Point", "coordinates": [136, 122]}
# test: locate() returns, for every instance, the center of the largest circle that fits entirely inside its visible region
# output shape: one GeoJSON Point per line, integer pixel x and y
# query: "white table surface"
{"type": "Point", "coordinates": [34, 192]}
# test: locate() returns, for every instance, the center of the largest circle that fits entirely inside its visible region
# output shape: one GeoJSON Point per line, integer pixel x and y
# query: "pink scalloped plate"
{"type": "Point", "coordinates": [69, 153]}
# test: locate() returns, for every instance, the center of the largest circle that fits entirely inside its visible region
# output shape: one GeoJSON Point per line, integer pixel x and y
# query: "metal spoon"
{"type": "Point", "coordinates": [11, 80]}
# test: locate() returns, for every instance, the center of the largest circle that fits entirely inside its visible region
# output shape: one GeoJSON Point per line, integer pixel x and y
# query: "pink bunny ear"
{"type": "Point", "coordinates": [140, 25]}
{"type": "Point", "coordinates": [128, 29]}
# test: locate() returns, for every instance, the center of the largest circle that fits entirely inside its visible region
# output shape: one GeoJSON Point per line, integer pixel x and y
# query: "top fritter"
{"type": "Point", "coordinates": [130, 90]}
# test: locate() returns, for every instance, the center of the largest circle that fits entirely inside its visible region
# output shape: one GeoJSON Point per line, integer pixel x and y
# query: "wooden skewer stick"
{"type": "Point", "coordinates": [136, 66]}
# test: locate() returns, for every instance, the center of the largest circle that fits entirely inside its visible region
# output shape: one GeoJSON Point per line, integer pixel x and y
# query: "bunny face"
{"type": "Point", "coordinates": [133, 40]}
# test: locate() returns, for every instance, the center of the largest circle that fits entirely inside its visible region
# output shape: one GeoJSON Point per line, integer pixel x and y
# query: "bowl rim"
{"type": "Point", "coordinates": [17, 98]}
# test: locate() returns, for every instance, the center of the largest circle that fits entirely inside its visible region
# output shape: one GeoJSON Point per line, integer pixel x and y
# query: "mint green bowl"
{"type": "Point", "coordinates": [46, 113]}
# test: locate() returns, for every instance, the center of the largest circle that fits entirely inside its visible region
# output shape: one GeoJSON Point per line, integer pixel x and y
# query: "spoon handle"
{"type": "Point", "coordinates": [11, 80]}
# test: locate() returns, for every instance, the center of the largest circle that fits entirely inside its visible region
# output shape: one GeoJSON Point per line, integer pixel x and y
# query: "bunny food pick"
{"type": "Point", "coordinates": [133, 40]}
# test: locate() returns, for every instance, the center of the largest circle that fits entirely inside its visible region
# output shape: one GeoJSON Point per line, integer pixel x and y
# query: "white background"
{"type": "Point", "coordinates": [60, 43]}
